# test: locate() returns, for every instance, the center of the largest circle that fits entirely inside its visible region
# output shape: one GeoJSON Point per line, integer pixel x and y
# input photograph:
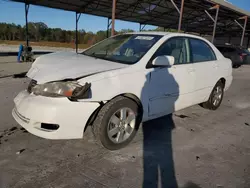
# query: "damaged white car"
{"type": "Point", "coordinates": [118, 83]}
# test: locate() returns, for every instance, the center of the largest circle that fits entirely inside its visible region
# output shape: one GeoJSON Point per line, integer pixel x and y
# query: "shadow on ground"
{"type": "Point", "coordinates": [158, 159]}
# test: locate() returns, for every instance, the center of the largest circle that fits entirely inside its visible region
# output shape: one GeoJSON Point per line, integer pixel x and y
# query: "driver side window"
{"type": "Point", "coordinates": [178, 47]}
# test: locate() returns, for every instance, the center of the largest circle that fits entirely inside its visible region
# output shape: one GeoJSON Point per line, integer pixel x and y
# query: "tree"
{"type": "Point", "coordinates": [39, 31]}
{"type": "Point", "coordinates": [88, 38]}
{"type": "Point", "coordinates": [100, 35]}
{"type": "Point", "coordinates": [126, 31]}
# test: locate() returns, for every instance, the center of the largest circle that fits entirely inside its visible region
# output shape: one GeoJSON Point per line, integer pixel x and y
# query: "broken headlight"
{"type": "Point", "coordinates": [63, 89]}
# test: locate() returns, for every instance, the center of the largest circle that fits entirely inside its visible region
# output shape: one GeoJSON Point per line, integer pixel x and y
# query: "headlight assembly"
{"type": "Point", "coordinates": [71, 90]}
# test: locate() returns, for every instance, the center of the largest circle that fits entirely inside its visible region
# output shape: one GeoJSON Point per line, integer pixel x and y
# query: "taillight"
{"type": "Point", "coordinates": [242, 55]}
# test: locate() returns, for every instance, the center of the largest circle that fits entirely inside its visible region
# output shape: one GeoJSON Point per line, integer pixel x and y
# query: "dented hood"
{"type": "Point", "coordinates": [68, 65]}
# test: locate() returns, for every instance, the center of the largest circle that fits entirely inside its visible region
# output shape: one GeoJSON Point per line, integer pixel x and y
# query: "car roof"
{"type": "Point", "coordinates": [167, 33]}
{"type": "Point", "coordinates": [150, 33]}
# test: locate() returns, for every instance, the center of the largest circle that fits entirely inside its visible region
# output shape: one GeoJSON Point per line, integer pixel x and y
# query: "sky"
{"type": "Point", "coordinates": [12, 12]}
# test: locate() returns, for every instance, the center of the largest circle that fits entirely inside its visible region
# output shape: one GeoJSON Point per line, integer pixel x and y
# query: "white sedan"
{"type": "Point", "coordinates": [118, 83]}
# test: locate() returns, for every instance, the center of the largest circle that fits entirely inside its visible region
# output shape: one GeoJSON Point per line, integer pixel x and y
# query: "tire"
{"type": "Point", "coordinates": [210, 104]}
{"type": "Point", "coordinates": [112, 112]}
{"type": "Point", "coordinates": [236, 66]}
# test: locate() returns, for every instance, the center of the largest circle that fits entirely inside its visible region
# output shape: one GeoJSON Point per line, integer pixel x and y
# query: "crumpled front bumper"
{"type": "Point", "coordinates": [31, 111]}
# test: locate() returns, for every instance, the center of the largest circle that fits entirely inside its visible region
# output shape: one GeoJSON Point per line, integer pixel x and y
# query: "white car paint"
{"type": "Point", "coordinates": [30, 111]}
{"type": "Point", "coordinates": [68, 65]}
{"type": "Point", "coordinates": [160, 90]}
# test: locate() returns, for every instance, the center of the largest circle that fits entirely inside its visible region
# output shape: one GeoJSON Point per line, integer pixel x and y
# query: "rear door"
{"type": "Point", "coordinates": [206, 68]}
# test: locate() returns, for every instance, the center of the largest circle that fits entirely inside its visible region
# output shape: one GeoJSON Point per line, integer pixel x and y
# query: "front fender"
{"type": "Point", "coordinates": [105, 88]}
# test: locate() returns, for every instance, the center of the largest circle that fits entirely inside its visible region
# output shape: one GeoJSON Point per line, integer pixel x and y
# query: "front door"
{"type": "Point", "coordinates": [171, 88]}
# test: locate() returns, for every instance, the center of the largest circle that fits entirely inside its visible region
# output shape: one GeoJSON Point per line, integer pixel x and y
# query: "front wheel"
{"type": "Point", "coordinates": [117, 123]}
{"type": "Point", "coordinates": [215, 97]}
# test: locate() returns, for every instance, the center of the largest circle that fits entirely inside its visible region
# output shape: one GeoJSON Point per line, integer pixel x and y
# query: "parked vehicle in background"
{"type": "Point", "coordinates": [120, 82]}
{"type": "Point", "coordinates": [238, 55]}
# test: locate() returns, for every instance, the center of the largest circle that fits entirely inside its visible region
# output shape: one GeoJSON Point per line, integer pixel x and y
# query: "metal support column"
{"type": "Point", "coordinates": [180, 12]}
{"type": "Point", "coordinates": [217, 7]}
{"type": "Point", "coordinates": [108, 26]}
{"type": "Point", "coordinates": [142, 27]}
{"type": "Point", "coordinates": [215, 22]}
{"type": "Point", "coordinates": [113, 18]}
{"type": "Point", "coordinates": [27, 6]}
{"type": "Point", "coordinates": [180, 17]}
{"type": "Point", "coordinates": [78, 15]}
{"type": "Point", "coordinates": [243, 28]}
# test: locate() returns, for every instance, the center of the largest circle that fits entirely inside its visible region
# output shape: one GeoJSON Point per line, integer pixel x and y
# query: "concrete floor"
{"type": "Point", "coordinates": [193, 148]}
{"type": "Point", "coordinates": [10, 66]}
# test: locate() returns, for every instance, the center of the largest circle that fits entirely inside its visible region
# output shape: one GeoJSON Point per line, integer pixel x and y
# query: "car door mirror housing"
{"type": "Point", "coordinates": [163, 61]}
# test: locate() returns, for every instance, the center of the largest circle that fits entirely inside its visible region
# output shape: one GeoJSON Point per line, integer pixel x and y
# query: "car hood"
{"type": "Point", "coordinates": [68, 65]}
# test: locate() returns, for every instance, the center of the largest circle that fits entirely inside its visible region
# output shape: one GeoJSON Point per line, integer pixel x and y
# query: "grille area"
{"type": "Point", "coordinates": [31, 85]}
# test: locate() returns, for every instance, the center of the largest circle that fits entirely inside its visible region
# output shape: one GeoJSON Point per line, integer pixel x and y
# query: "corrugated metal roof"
{"type": "Point", "coordinates": [231, 7]}
{"type": "Point", "coordinates": [159, 13]}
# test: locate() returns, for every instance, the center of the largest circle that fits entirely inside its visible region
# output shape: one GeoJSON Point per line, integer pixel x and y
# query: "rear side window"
{"type": "Point", "coordinates": [201, 51]}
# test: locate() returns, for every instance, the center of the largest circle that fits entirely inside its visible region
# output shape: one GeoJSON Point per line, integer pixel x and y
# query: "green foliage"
{"type": "Point", "coordinates": [39, 31]}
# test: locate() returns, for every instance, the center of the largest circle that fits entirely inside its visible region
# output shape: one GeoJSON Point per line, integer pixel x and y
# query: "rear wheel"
{"type": "Point", "coordinates": [117, 123]}
{"type": "Point", "coordinates": [236, 66]}
{"type": "Point", "coordinates": [215, 97]}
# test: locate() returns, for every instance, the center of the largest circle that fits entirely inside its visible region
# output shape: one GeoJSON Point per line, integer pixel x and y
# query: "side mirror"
{"type": "Point", "coordinates": [163, 61]}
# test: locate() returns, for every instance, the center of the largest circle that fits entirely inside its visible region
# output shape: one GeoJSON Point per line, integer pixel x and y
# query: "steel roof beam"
{"type": "Point", "coordinates": [243, 28]}
{"type": "Point", "coordinates": [27, 6]}
{"type": "Point", "coordinates": [78, 15]}
{"type": "Point", "coordinates": [113, 18]}
{"type": "Point", "coordinates": [217, 7]}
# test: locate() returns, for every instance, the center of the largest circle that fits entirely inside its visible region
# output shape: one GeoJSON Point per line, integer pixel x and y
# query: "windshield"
{"type": "Point", "coordinates": [126, 49]}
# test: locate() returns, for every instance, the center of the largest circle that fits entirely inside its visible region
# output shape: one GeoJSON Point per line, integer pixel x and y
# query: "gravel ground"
{"type": "Point", "coordinates": [10, 66]}
{"type": "Point", "coordinates": [193, 148]}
